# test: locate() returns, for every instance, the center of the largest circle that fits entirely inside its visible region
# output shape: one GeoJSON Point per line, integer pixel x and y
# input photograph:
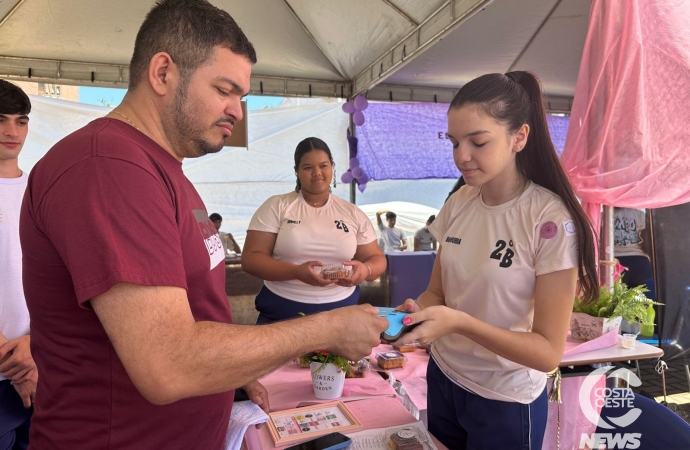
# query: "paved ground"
{"type": "Point", "coordinates": [677, 390]}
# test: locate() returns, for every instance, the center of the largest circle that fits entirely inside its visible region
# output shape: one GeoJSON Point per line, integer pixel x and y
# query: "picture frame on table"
{"type": "Point", "coordinates": [308, 422]}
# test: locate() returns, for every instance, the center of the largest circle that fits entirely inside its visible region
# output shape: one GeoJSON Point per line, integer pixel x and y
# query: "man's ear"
{"type": "Point", "coordinates": [163, 74]}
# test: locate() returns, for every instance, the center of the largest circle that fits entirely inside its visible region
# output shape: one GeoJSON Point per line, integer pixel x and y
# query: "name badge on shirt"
{"type": "Point", "coordinates": [214, 245]}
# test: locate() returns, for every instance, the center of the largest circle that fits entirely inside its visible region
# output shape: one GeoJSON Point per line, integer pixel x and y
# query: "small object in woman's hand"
{"type": "Point", "coordinates": [335, 271]}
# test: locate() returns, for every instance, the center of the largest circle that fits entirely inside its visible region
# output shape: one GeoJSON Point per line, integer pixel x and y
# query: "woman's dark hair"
{"type": "Point", "coordinates": [187, 30]}
{"type": "Point", "coordinates": [13, 100]}
{"type": "Point", "coordinates": [458, 184]}
{"type": "Point", "coordinates": [304, 147]}
{"type": "Point", "coordinates": [515, 99]}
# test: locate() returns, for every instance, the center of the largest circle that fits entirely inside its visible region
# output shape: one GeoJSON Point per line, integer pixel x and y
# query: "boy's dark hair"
{"type": "Point", "coordinates": [13, 100]}
{"type": "Point", "coordinates": [187, 30]}
{"type": "Point", "coordinates": [215, 216]}
{"type": "Point", "coordinates": [431, 219]}
{"type": "Point", "coordinates": [391, 215]}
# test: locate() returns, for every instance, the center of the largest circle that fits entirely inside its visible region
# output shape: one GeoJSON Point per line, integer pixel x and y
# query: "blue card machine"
{"type": "Point", "coordinates": [396, 327]}
{"type": "Point", "coordinates": [333, 441]}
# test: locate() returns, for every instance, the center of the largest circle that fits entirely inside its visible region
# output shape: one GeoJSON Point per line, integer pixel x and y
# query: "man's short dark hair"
{"type": "Point", "coordinates": [187, 30]}
{"type": "Point", "coordinates": [391, 215]}
{"type": "Point", "coordinates": [431, 219]}
{"type": "Point", "coordinates": [215, 216]}
{"type": "Point", "coordinates": [13, 100]}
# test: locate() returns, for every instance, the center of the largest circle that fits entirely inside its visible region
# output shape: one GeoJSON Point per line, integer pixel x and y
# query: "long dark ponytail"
{"type": "Point", "coordinates": [515, 99]}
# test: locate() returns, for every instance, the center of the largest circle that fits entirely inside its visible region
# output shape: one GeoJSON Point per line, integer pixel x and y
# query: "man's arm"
{"type": "Point", "coordinates": [378, 217]}
{"type": "Point", "coordinates": [169, 356]}
{"type": "Point", "coordinates": [235, 246]}
{"type": "Point", "coordinates": [403, 240]}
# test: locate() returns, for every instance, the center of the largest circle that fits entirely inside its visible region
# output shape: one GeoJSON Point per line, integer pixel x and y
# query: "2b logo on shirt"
{"type": "Point", "coordinates": [340, 224]}
{"type": "Point", "coordinates": [507, 258]}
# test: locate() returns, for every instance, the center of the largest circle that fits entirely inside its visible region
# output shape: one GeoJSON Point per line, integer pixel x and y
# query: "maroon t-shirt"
{"type": "Point", "coordinates": [106, 205]}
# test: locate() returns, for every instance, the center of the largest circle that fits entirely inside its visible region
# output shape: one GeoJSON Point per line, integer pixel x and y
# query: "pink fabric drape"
{"type": "Point", "coordinates": [630, 123]}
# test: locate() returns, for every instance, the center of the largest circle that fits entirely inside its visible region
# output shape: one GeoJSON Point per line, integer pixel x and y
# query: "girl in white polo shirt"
{"type": "Point", "coordinates": [291, 235]}
{"type": "Point", "coordinates": [514, 242]}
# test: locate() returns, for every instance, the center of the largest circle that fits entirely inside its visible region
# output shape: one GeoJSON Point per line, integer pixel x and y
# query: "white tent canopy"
{"type": "Point", "coordinates": [235, 181]}
{"type": "Point", "coordinates": [394, 49]}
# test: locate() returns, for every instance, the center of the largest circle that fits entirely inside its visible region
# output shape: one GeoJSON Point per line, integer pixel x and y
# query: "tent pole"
{"type": "Point", "coordinates": [606, 267]}
{"type": "Point", "coordinates": [353, 183]}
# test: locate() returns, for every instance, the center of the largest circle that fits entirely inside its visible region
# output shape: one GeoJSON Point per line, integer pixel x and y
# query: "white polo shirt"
{"type": "Point", "coordinates": [490, 262]}
{"type": "Point", "coordinates": [329, 234]}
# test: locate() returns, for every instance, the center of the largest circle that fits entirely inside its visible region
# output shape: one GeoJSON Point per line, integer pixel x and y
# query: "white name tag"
{"type": "Point", "coordinates": [215, 250]}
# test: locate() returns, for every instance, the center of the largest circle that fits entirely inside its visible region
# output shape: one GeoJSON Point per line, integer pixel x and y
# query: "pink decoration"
{"type": "Point", "coordinates": [348, 107]}
{"type": "Point", "coordinates": [358, 118]}
{"type": "Point", "coordinates": [548, 230]}
{"type": "Point", "coordinates": [361, 103]}
{"type": "Point", "coordinates": [628, 133]}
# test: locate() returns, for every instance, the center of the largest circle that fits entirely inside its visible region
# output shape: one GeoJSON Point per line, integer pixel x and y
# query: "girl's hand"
{"type": "Point", "coordinates": [434, 322]}
{"type": "Point", "coordinates": [357, 276]}
{"type": "Point", "coordinates": [306, 274]}
{"type": "Point", "coordinates": [410, 305]}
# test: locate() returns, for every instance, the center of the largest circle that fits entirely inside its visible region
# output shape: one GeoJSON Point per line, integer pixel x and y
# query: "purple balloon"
{"type": "Point", "coordinates": [362, 187]}
{"type": "Point", "coordinates": [358, 118]}
{"type": "Point", "coordinates": [346, 178]}
{"type": "Point", "coordinates": [361, 103]}
{"type": "Point", "coordinates": [357, 172]}
{"type": "Point", "coordinates": [348, 107]}
{"type": "Point", "coordinates": [354, 162]}
{"type": "Point", "coordinates": [363, 179]}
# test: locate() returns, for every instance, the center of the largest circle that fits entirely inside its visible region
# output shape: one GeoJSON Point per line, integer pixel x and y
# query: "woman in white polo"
{"type": "Point", "coordinates": [292, 235]}
{"type": "Point", "coordinates": [513, 243]}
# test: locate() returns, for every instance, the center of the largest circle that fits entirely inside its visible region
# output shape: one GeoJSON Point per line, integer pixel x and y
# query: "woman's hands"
{"type": "Point", "coordinates": [434, 322]}
{"type": "Point", "coordinates": [305, 273]}
{"type": "Point", "coordinates": [358, 275]}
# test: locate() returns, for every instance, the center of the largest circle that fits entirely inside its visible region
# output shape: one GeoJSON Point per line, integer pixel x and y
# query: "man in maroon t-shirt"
{"type": "Point", "coordinates": [131, 330]}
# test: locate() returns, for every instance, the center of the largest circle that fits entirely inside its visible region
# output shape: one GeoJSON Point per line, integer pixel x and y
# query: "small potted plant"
{"type": "Point", "coordinates": [327, 373]}
{"type": "Point", "coordinates": [591, 321]}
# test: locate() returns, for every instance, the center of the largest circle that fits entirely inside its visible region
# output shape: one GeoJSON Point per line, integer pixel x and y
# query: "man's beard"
{"type": "Point", "coordinates": [187, 133]}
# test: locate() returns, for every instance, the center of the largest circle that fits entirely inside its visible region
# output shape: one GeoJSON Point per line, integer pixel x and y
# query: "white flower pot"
{"type": "Point", "coordinates": [328, 381]}
{"type": "Point", "coordinates": [584, 327]}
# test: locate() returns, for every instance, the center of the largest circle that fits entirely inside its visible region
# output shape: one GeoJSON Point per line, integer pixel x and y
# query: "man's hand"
{"type": "Point", "coordinates": [355, 330]}
{"type": "Point", "coordinates": [16, 358]}
{"type": "Point", "coordinates": [258, 394]}
{"type": "Point", "coordinates": [27, 388]}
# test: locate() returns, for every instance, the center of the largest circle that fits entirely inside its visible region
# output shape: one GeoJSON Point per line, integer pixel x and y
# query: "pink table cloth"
{"type": "Point", "coordinates": [291, 385]}
{"type": "Point", "coordinates": [376, 412]}
{"type": "Point", "coordinates": [412, 376]}
{"type": "Point", "coordinates": [574, 423]}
